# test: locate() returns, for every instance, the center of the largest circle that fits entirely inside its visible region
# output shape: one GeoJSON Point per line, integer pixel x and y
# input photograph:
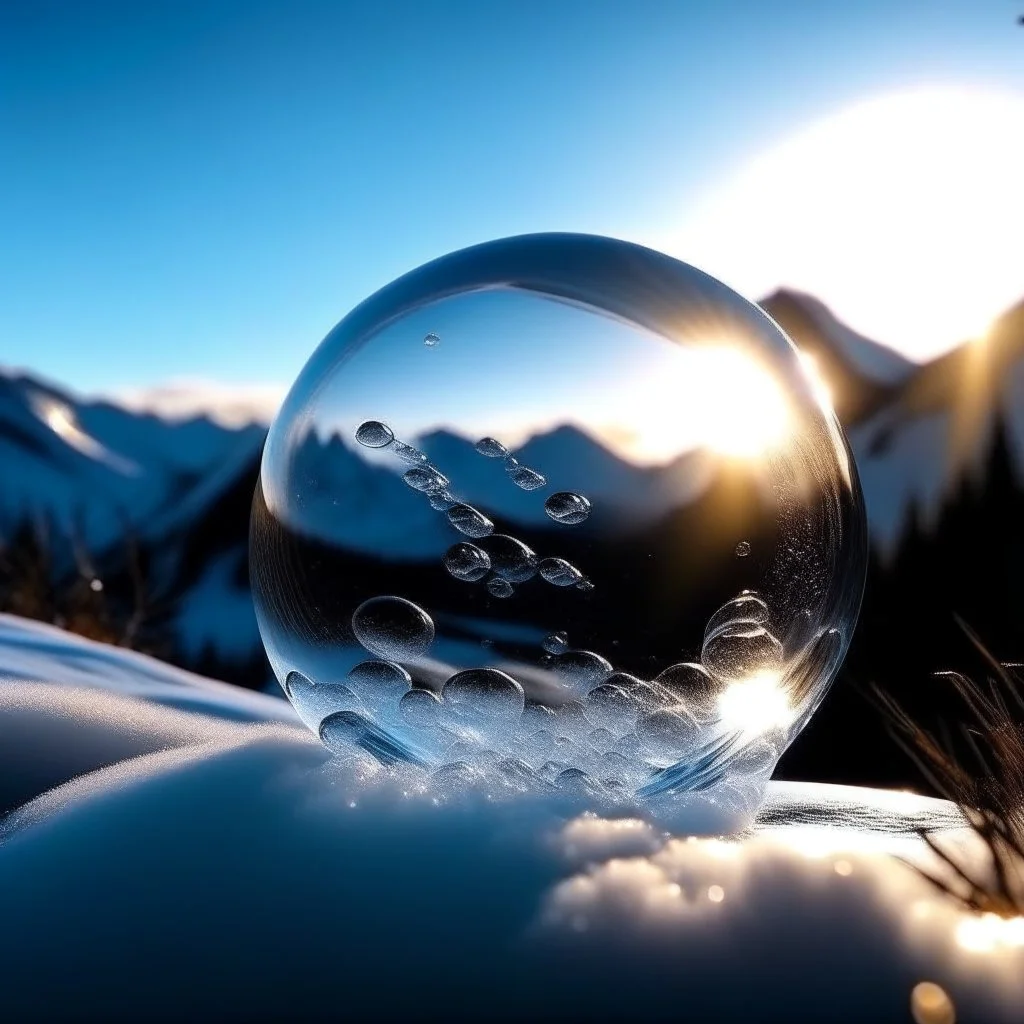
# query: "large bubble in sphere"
{"type": "Point", "coordinates": [607, 536]}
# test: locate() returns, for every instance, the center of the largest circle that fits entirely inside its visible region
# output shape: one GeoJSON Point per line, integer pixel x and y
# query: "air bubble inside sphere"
{"type": "Point", "coordinates": [610, 528]}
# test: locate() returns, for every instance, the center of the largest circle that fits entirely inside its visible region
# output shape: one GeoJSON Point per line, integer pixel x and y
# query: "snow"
{"type": "Point", "coordinates": [875, 361]}
{"type": "Point", "coordinates": [179, 851]}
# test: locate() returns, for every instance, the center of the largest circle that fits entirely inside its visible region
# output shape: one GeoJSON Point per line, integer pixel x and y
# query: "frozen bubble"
{"type": "Point", "coordinates": [511, 559]}
{"type": "Point", "coordinates": [748, 607]}
{"type": "Point", "coordinates": [480, 695]}
{"type": "Point", "coordinates": [466, 561]}
{"type": "Point", "coordinates": [690, 684]}
{"type": "Point", "coordinates": [441, 500]}
{"type": "Point", "coordinates": [420, 708]}
{"type": "Point", "coordinates": [492, 448]}
{"type": "Point", "coordinates": [409, 455]}
{"type": "Point", "coordinates": [743, 549]}
{"type": "Point", "coordinates": [392, 628]}
{"type": "Point", "coordinates": [610, 706]}
{"type": "Point", "coordinates": [431, 341]}
{"type": "Point", "coordinates": [469, 521]}
{"type": "Point", "coordinates": [379, 683]}
{"type": "Point", "coordinates": [601, 739]}
{"type": "Point", "coordinates": [756, 457]}
{"type": "Point", "coordinates": [555, 643]}
{"type": "Point", "coordinates": [559, 572]}
{"type": "Point", "coordinates": [528, 479]}
{"type": "Point", "coordinates": [582, 670]}
{"type": "Point", "coordinates": [374, 434]}
{"type": "Point", "coordinates": [740, 651]}
{"type": "Point", "coordinates": [425, 478]}
{"type": "Point", "coordinates": [667, 736]}
{"type": "Point", "coordinates": [567, 507]}
{"type": "Point", "coordinates": [498, 587]}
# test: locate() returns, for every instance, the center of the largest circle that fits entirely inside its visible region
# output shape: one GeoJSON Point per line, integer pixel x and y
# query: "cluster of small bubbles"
{"type": "Point", "coordinates": [497, 587]}
{"type": "Point", "coordinates": [470, 521]}
{"type": "Point", "coordinates": [567, 507]}
{"type": "Point", "coordinates": [431, 340]}
{"type": "Point", "coordinates": [743, 549]}
{"type": "Point", "coordinates": [491, 447]}
{"type": "Point", "coordinates": [559, 572]}
{"type": "Point", "coordinates": [392, 628]}
{"type": "Point", "coordinates": [374, 434]}
{"type": "Point", "coordinates": [467, 562]}
{"type": "Point", "coordinates": [555, 643]}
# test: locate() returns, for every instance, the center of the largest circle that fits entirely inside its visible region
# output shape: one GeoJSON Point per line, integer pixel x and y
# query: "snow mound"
{"type": "Point", "coordinates": [172, 861]}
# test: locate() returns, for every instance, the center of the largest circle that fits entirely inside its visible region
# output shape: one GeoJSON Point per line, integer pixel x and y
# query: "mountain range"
{"type": "Point", "coordinates": [929, 439]}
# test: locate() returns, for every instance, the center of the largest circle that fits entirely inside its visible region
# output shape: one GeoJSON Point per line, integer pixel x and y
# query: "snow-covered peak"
{"type": "Point", "coordinates": [870, 359]}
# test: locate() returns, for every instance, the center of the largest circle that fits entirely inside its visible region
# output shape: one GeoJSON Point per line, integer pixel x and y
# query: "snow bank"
{"type": "Point", "coordinates": [167, 861]}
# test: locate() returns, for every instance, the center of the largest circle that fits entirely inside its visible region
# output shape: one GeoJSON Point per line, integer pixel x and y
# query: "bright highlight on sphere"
{"type": "Point", "coordinates": [602, 536]}
{"type": "Point", "coordinates": [756, 705]}
{"type": "Point", "coordinates": [902, 213]}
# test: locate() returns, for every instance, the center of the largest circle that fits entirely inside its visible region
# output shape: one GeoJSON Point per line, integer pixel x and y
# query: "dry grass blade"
{"type": "Point", "coordinates": [984, 776]}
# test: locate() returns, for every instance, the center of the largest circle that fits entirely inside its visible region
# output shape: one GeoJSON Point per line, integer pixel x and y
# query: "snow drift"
{"type": "Point", "coordinates": [171, 854]}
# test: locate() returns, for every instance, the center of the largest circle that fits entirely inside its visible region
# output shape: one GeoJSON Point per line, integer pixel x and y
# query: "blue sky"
{"type": "Point", "coordinates": [202, 189]}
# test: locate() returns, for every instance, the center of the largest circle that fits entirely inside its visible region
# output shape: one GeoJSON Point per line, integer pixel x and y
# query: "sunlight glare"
{"type": "Point", "coordinates": [901, 212]}
{"type": "Point", "coordinates": [714, 398]}
{"type": "Point", "coordinates": [756, 705]}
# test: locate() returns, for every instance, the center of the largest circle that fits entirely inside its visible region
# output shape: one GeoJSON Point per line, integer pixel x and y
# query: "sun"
{"type": "Point", "coordinates": [904, 213]}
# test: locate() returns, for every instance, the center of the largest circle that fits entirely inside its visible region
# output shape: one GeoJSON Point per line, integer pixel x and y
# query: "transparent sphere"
{"type": "Point", "coordinates": [565, 508]}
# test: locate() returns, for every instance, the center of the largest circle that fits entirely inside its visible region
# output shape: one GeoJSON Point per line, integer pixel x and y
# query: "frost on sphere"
{"type": "Point", "coordinates": [668, 492]}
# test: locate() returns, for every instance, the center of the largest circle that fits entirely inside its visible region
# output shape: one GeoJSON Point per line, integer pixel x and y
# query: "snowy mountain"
{"type": "Point", "coordinates": [94, 469]}
{"type": "Point", "coordinates": [184, 488]}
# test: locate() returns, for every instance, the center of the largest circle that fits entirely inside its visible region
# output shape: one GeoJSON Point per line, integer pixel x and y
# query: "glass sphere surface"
{"type": "Point", "coordinates": [602, 520]}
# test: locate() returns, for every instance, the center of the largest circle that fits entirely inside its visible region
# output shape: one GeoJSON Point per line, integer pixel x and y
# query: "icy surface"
{"type": "Point", "coordinates": [168, 827]}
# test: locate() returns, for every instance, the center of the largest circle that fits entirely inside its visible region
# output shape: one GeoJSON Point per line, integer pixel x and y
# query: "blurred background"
{"type": "Point", "coordinates": [192, 194]}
